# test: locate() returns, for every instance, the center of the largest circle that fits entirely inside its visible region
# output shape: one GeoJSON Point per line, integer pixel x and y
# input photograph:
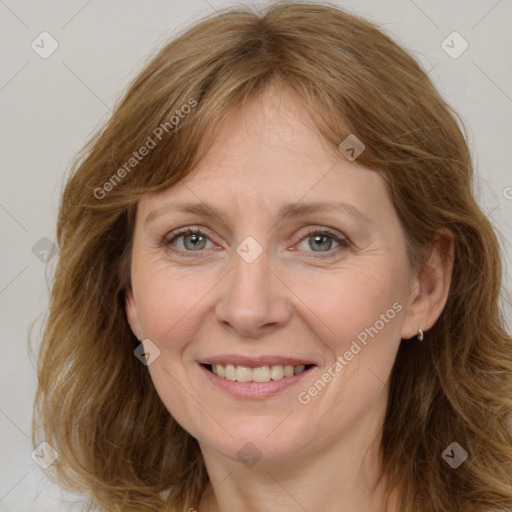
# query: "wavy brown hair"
{"type": "Point", "coordinates": [96, 403]}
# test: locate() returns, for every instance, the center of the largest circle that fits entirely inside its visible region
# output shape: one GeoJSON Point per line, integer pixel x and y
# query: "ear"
{"type": "Point", "coordinates": [430, 288]}
{"type": "Point", "coordinates": [132, 315]}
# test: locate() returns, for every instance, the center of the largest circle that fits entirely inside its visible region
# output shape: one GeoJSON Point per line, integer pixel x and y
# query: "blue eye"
{"type": "Point", "coordinates": [321, 237]}
{"type": "Point", "coordinates": [195, 240]}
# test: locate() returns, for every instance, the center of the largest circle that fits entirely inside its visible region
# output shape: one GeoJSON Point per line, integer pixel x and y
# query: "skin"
{"type": "Point", "coordinates": [303, 297]}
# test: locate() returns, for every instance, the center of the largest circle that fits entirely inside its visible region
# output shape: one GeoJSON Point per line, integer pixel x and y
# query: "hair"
{"type": "Point", "coordinates": [96, 403]}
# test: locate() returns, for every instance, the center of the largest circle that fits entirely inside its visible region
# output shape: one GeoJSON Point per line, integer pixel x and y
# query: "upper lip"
{"type": "Point", "coordinates": [255, 362]}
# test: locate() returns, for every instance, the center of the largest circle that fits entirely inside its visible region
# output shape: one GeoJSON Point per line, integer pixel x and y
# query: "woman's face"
{"type": "Point", "coordinates": [267, 286]}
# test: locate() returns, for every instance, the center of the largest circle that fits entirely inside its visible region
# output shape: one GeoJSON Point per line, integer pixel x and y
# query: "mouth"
{"type": "Point", "coordinates": [259, 374]}
{"type": "Point", "coordinates": [255, 377]}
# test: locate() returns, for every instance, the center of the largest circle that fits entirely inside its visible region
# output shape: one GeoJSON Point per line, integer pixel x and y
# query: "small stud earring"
{"type": "Point", "coordinates": [420, 335]}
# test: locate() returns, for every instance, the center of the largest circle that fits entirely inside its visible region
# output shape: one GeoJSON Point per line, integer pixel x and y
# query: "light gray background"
{"type": "Point", "coordinates": [49, 107]}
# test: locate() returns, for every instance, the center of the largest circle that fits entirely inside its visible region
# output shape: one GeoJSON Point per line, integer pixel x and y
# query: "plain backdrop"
{"type": "Point", "coordinates": [50, 106]}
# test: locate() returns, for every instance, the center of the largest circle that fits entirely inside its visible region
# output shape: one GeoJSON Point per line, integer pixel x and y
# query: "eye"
{"type": "Point", "coordinates": [194, 240]}
{"type": "Point", "coordinates": [319, 238]}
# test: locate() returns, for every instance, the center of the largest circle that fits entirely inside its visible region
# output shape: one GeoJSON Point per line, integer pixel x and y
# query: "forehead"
{"type": "Point", "coordinates": [274, 127]}
{"type": "Point", "coordinates": [272, 146]}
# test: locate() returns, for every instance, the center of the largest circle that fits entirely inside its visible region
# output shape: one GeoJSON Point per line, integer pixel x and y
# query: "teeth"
{"type": "Point", "coordinates": [277, 372]}
{"type": "Point", "coordinates": [299, 369]}
{"type": "Point", "coordinates": [260, 374]}
{"type": "Point", "coordinates": [289, 370]}
{"type": "Point", "coordinates": [229, 371]}
{"type": "Point", "coordinates": [243, 374]}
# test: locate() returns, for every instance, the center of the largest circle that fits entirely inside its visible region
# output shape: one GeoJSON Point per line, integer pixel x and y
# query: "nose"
{"type": "Point", "coordinates": [253, 300]}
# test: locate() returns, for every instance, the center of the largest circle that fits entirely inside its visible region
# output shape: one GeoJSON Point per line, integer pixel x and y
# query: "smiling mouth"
{"type": "Point", "coordinates": [264, 373]}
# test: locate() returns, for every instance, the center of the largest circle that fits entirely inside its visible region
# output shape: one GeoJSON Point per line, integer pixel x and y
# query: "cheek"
{"type": "Point", "coordinates": [358, 319]}
{"type": "Point", "coordinates": [168, 306]}
{"type": "Point", "coordinates": [348, 302]}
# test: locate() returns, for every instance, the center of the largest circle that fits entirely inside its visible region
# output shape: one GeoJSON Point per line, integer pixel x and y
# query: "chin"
{"type": "Point", "coordinates": [263, 441]}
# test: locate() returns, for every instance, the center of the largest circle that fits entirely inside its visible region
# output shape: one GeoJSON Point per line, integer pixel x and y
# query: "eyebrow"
{"type": "Point", "coordinates": [288, 210]}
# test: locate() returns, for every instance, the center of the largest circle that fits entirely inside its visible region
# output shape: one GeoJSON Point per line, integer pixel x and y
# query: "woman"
{"type": "Point", "coordinates": [275, 289]}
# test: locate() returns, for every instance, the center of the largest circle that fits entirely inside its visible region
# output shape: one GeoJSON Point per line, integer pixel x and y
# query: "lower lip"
{"type": "Point", "coordinates": [254, 389]}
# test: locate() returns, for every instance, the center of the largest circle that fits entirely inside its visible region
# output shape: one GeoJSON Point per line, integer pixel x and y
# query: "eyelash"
{"type": "Point", "coordinates": [344, 242]}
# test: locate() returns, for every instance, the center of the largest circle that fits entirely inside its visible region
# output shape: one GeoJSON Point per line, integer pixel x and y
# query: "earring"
{"type": "Point", "coordinates": [420, 335]}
